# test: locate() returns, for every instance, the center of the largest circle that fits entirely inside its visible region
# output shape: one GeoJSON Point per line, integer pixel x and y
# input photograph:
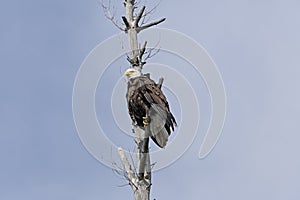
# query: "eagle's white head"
{"type": "Point", "coordinates": [132, 73]}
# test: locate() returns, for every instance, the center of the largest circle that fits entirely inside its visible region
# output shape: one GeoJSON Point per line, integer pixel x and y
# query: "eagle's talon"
{"type": "Point", "coordinates": [145, 121]}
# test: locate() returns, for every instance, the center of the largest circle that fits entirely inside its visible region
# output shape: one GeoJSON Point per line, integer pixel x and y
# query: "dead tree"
{"type": "Point", "coordinates": [134, 22]}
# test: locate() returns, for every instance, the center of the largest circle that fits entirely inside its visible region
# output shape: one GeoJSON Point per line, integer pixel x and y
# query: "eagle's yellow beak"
{"type": "Point", "coordinates": [128, 72]}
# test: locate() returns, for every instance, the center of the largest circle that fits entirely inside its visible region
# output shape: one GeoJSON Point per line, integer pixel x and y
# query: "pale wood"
{"type": "Point", "coordinates": [127, 167]}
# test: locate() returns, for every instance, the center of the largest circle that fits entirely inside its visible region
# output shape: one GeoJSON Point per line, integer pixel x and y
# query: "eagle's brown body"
{"type": "Point", "coordinates": [146, 101]}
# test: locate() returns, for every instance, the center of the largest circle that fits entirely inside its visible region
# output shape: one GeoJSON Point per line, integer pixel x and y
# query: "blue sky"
{"type": "Point", "coordinates": [255, 45]}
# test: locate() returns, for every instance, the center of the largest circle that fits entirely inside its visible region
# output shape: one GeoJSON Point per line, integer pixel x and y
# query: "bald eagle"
{"type": "Point", "coordinates": [148, 107]}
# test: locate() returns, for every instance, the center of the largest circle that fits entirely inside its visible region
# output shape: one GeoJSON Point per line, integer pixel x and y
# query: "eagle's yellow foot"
{"type": "Point", "coordinates": [145, 121]}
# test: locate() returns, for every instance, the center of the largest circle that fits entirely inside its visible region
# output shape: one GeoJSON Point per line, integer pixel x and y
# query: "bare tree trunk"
{"type": "Point", "coordinates": [143, 184]}
{"type": "Point", "coordinates": [140, 181]}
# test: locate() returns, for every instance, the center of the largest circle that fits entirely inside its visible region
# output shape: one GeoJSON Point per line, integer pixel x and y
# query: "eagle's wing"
{"type": "Point", "coordinates": [161, 119]}
{"type": "Point", "coordinates": [155, 96]}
